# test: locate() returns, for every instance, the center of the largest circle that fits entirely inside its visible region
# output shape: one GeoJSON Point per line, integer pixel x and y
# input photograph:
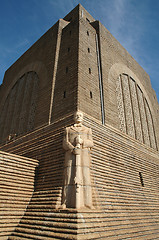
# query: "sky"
{"type": "Point", "coordinates": [134, 23]}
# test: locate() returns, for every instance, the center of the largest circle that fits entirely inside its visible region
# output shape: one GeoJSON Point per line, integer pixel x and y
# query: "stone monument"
{"type": "Point", "coordinates": [50, 188]}
{"type": "Point", "coordinates": [77, 191]}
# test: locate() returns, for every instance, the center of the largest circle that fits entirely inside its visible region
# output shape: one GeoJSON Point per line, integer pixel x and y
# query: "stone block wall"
{"type": "Point", "coordinates": [88, 78]}
{"type": "Point", "coordinates": [65, 87]}
{"type": "Point", "coordinates": [115, 61]}
{"type": "Point", "coordinates": [124, 177]}
{"type": "Point", "coordinates": [16, 189]}
{"type": "Point", "coordinates": [77, 62]}
{"type": "Point", "coordinates": [41, 59]}
{"type": "Point", "coordinates": [80, 65]}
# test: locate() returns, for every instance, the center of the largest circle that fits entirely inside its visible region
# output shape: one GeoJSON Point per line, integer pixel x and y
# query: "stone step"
{"type": "Point", "coordinates": [111, 236]}
{"type": "Point", "coordinates": [20, 236]}
{"type": "Point", "coordinates": [12, 213]}
{"type": "Point", "coordinates": [71, 218]}
{"type": "Point", "coordinates": [46, 202]}
{"type": "Point", "coordinates": [7, 157]}
{"type": "Point", "coordinates": [5, 235]}
{"type": "Point", "coordinates": [54, 213]}
{"type": "Point", "coordinates": [44, 220]}
{"type": "Point", "coordinates": [6, 231]}
{"type": "Point", "coordinates": [16, 182]}
{"type": "Point", "coordinates": [121, 231]}
{"type": "Point", "coordinates": [16, 189]}
{"type": "Point", "coordinates": [48, 225]}
{"type": "Point", "coordinates": [14, 206]}
{"type": "Point", "coordinates": [46, 199]}
{"type": "Point", "coordinates": [47, 192]}
{"type": "Point", "coordinates": [13, 191]}
{"type": "Point", "coordinates": [149, 236]}
{"type": "Point", "coordinates": [44, 230]}
{"type": "Point", "coordinates": [10, 173]}
{"type": "Point", "coordinates": [16, 171]}
{"type": "Point", "coordinates": [40, 207]}
{"type": "Point", "coordinates": [5, 199]}
{"type": "Point", "coordinates": [8, 220]}
{"type": "Point", "coordinates": [17, 165]}
{"type": "Point", "coordinates": [93, 223]}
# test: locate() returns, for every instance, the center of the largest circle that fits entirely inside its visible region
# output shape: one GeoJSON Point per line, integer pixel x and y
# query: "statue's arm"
{"type": "Point", "coordinates": [88, 143]}
{"type": "Point", "coordinates": [66, 144]}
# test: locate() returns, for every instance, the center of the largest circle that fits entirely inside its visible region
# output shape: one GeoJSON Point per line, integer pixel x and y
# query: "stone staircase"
{"type": "Point", "coordinates": [44, 219]}
{"type": "Point", "coordinates": [48, 223]}
{"type": "Point", "coordinates": [16, 187]}
{"type": "Point", "coordinates": [127, 210]}
{"type": "Point", "coordinates": [88, 224]}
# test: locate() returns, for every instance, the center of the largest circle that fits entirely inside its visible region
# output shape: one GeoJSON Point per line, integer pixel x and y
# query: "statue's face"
{"type": "Point", "coordinates": [78, 117]}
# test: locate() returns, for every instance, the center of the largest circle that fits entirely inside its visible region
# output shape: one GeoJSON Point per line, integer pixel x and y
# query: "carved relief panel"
{"type": "Point", "coordinates": [134, 111]}
{"type": "Point", "coordinates": [19, 109]}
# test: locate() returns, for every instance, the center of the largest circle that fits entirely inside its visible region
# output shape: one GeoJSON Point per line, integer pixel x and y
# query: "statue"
{"type": "Point", "coordinates": [77, 142]}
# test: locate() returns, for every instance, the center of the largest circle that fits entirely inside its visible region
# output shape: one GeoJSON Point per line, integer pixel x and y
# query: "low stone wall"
{"type": "Point", "coordinates": [16, 188]}
{"type": "Point", "coordinates": [124, 177]}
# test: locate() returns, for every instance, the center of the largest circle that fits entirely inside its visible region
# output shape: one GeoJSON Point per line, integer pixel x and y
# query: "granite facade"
{"type": "Point", "coordinates": [79, 65]}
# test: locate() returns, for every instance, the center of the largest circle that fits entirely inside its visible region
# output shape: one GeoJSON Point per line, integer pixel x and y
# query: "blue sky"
{"type": "Point", "coordinates": [134, 23]}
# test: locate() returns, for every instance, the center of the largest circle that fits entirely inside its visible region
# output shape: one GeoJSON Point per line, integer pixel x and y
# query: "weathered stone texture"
{"type": "Point", "coordinates": [65, 88]}
{"type": "Point", "coordinates": [25, 91]}
{"type": "Point", "coordinates": [125, 207]}
{"type": "Point", "coordinates": [115, 61]}
{"type": "Point", "coordinates": [40, 58]}
{"type": "Point", "coordinates": [88, 71]}
{"type": "Point", "coordinates": [78, 64]}
{"type": "Point", "coordinates": [16, 189]}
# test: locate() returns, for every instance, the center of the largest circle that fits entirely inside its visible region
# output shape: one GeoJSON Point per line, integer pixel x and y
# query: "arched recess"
{"type": "Point", "coordinates": [135, 111]}
{"type": "Point", "coordinates": [20, 101]}
{"type": "Point", "coordinates": [18, 113]}
{"type": "Point", "coordinates": [37, 67]}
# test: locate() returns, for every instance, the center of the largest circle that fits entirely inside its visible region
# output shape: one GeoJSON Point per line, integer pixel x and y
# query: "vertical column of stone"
{"type": "Point", "coordinates": [128, 106]}
{"type": "Point", "coordinates": [3, 117]}
{"type": "Point", "coordinates": [14, 100]}
{"type": "Point", "coordinates": [120, 104]}
{"type": "Point", "coordinates": [10, 109]}
{"type": "Point", "coordinates": [140, 115]}
{"type": "Point", "coordinates": [23, 117]}
{"type": "Point", "coordinates": [33, 104]}
{"type": "Point", "coordinates": [18, 104]}
{"type": "Point", "coordinates": [136, 113]}
{"type": "Point", "coordinates": [12, 130]}
{"type": "Point", "coordinates": [143, 117]}
{"type": "Point", "coordinates": [150, 126]}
